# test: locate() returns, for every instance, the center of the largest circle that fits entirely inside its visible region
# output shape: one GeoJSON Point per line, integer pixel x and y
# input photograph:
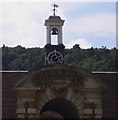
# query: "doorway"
{"type": "Point", "coordinates": [61, 106]}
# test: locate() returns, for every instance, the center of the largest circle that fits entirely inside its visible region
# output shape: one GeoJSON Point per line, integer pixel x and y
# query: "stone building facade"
{"type": "Point", "coordinates": [86, 94]}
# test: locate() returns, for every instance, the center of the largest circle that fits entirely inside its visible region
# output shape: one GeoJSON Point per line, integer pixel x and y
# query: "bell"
{"type": "Point", "coordinates": [54, 31]}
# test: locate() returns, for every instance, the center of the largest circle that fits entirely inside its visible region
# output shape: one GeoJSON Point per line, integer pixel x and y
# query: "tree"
{"type": "Point", "coordinates": [76, 46]}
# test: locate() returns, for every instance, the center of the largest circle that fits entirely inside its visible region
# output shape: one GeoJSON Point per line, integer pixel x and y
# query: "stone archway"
{"type": "Point", "coordinates": [61, 106]}
{"type": "Point", "coordinates": [63, 87]}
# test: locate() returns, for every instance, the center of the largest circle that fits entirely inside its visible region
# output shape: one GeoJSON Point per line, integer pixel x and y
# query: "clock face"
{"type": "Point", "coordinates": [55, 57]}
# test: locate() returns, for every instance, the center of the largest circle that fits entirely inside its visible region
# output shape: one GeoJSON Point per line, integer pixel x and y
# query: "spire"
{"type": "Point", "coordinates": [54, 9]}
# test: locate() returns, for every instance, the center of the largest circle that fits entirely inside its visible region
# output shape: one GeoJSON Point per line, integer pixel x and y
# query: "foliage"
{"type": "Point", "coordinates": [94, 59]}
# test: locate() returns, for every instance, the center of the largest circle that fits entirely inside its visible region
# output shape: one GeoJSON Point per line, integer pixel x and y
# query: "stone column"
{"type": "Point", "coordinates": [59, 35]}
{"type": "Point", "coordinates": [48, 35]}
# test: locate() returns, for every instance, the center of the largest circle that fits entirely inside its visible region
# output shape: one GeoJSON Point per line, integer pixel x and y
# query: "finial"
{"type": "Point", "coordinates": [55, 6]}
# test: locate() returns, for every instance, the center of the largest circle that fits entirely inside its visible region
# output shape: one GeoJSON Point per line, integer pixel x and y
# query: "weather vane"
{"type": "Point", "coordinates": [55, 6]}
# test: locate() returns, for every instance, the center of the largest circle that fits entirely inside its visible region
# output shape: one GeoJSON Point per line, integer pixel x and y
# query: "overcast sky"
{"type": "Point", "coordinates": [90, 24]}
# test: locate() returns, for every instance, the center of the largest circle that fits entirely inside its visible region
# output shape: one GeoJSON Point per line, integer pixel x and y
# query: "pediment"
{"type": "Point", "coordinates": [61, 75]}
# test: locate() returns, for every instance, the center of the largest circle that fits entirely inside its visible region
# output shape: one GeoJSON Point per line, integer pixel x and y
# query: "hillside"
{"type": "Point", "coordinates": [94, 59]}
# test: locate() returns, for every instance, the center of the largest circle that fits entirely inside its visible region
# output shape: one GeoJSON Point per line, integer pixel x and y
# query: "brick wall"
{"type": "Point", "coordinates": [109, 96]}
{"type": "Point", "coordinates": [9, 94]}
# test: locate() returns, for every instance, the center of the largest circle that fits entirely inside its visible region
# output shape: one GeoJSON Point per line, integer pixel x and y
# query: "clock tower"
{"type": "Point", "coordinates": [54, 54]}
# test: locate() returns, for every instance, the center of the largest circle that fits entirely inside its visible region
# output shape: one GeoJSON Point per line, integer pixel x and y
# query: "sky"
{"type": "Point", "coordinates": [87, 23]}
